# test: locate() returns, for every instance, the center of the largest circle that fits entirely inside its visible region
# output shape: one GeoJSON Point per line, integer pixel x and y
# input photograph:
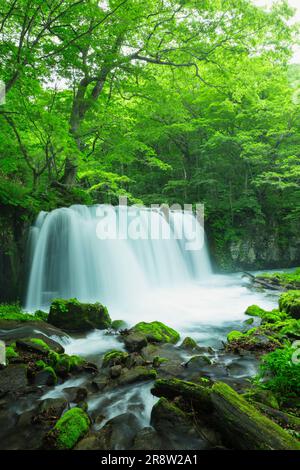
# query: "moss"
{"type": "Point", "coordinates": [289, 302]}
{"type": "Point", "coordinates": [52, 372]}
{"type": "Point", "coordinates": [234, 335]}
{"type": "Point", "coordinates": [11, 353]}
{"type": "Point", "coordinates": [249, 321]}
{"type": "Point", "coordinates": [40, 315]}
{"type": "Point", "coordinates": [71, 427]}
{"type": "Point", "coordinates": [18, 316]}
{"type": "Point", "coordinates": [40, 342]}
{"type": "Point", "coordinates": [118, 325]}
{"type": "Point", "coordinates": [188, 343]}
{"type": "Point", "coordinates": [114, 357]}
{"type": "Point", "coordinates": [73, 315]}
{"type": "Point", "coordinates": [236, 411]}
{"type": "Point", "coordinates": [254, 311]}
{"type": "Point", "coordinates": [157, 361]}
{"type": "Point", "coordinates": [157, 332]}
{"type": "Point", "coordinates": [289, 280]}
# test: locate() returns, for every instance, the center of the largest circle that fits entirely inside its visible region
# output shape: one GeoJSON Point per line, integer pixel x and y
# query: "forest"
{"type": "Point", "coordinates": [162, 102]}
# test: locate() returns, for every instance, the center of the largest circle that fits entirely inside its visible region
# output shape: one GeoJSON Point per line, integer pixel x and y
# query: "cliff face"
{"type": "Point", "coordinates": [256, 250]}
{"type": "Point", "coordinates": [14, 227]}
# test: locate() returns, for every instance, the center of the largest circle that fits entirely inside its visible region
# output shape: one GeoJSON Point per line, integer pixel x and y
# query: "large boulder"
{"type": "Point", "coordinates": [13, 378]}
{"type": "Point", "coordinates": [72, 315]}
{"type": "Point", "coordinates": [117, 434]}
{"type": "Point", "coordinates": [68, 430]}
{"type": "Point", "coordinates": [289, 302]}
{"type": "Point", "coordinates": [143, 333]}
{"type": "Point", "coordinates": [175, 427]}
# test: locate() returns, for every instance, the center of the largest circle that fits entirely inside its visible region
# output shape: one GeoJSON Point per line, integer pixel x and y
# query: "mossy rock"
{"type": "Point", "coordinates": [289, 302]}
{"type": "Point", "coordinates": [254, 311]}
{"type": "Point", "coordinates": [234, 335]}
{"type": "Point", "coordinates": [72, 315]}
{"type": "Point", "coordinates": [11, 352]}
{"type": "Point", "coordinates": [273, 316]}
{"type": "Point", "coordinates": [188, 344]}
{"type": "Point", "coordinates": [136, 374]}
{"type": "Point", "coordinates": [114, 357]}
{"type": "Point", "coordinates": [243, 426]}
{"type": "Point", "coordinates": [68, 430]}
{"type": "Point", "coordinates": [157, 332]}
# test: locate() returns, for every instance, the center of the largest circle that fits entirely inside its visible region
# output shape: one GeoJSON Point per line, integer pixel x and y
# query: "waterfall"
{"type": "Point", "coordinates": [78, 252]}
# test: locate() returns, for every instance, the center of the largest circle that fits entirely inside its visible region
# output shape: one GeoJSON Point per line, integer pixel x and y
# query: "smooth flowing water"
{"type": "Point", "coordinates": [139, 263]}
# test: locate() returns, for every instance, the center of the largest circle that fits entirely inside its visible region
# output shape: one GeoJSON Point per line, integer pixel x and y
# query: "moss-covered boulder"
{"type": "Point", "coordinates": [289, 302]}
{"type": "Point", "coordinates": [68, 430]}
{"type": "Point", "coordinates": [114, 357]}
{"type": "Point", "coordinates": [72, 315]}
{"type": "Point", "coordinates": [272, 316]}
{"type": "Point", "coordinates": [234, 336]}
{"type": "Point", "coordinates": [243, 426]}
{"type": "Point", "coordinates": [157, 332]}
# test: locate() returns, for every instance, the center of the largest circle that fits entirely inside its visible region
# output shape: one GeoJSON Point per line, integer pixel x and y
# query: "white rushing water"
{"type": "Point", "coordinates": [77, 253]}
{"type": "Point", "coordinates": [142, 274]}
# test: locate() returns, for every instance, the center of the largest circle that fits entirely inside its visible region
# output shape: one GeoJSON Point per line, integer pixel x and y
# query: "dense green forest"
{"type": "Point", "coordinates": [175, 102]}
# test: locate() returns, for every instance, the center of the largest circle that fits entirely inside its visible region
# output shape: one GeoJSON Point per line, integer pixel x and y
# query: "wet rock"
{"type": "Point", "coordinates": [137, 374]}
{"type": "Point", "coordinates": [147, 439]}
{"type": "Point", "coordinates": [8, 421]}
{"type": "Point", "coordinates": [53, 407]}
{"type": "Point", "coordinates": [175, 427]}
{"type": "Point", "coordinates": [46, 376]}
{"type": "Point", "coordinates": [99, 382]}
{"type": "Point", "coordinates": [76, 394]}
{"type": "Point", "coordinates": [13, 378]}
{"type": "Point", "coordinates": [196, 363]}
{"type": "Point", "coordinates": [135, 341]}
{"type": "Point", "coordinates": [34, 346]}
{"type": "Point", "coordinates": [117, 434]}
{"type": "Point", "coordinates": [12, 330]}
{"type": "Point", "coordinates": [115, 371]}
{"type": "Point", "coordinates": [72, 315]}
{"type": "Point", "coordinates": [188, 344]}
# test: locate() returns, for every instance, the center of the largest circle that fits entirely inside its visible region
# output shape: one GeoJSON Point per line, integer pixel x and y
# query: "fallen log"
{"type": "Point", "coordinates": [243, 427]}
{"type": "Point", "coordinates": [263, 282]}
{"type": "Point", "coordinates": [195, 394]}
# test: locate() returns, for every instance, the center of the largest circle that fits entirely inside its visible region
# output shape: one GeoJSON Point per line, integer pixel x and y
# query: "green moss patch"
{"type": "Point", "coordinates": [157, 332]}
{"type": "Point", "coordinates": [289, 302]}
{"type": "Point", "coordinates": [71, 427]}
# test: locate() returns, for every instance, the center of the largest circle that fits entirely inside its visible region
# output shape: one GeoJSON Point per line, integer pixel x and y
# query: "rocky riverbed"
{"type": "Point", "coordinates": [153, 390]}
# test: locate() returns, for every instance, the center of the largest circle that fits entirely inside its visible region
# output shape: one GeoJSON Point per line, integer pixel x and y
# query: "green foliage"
{"type": "Point", "coordinates": [13, 312]}
{"type": "Point", "coordinates": [280, 373]}
{"type": "Point", "coordinates": [187, 113]}
{"type": "Point", "coordinates": [289, 302]}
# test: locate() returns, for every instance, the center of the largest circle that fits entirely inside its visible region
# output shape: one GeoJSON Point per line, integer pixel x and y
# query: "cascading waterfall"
{"type": "Point", "coordinates": [74, 253]}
